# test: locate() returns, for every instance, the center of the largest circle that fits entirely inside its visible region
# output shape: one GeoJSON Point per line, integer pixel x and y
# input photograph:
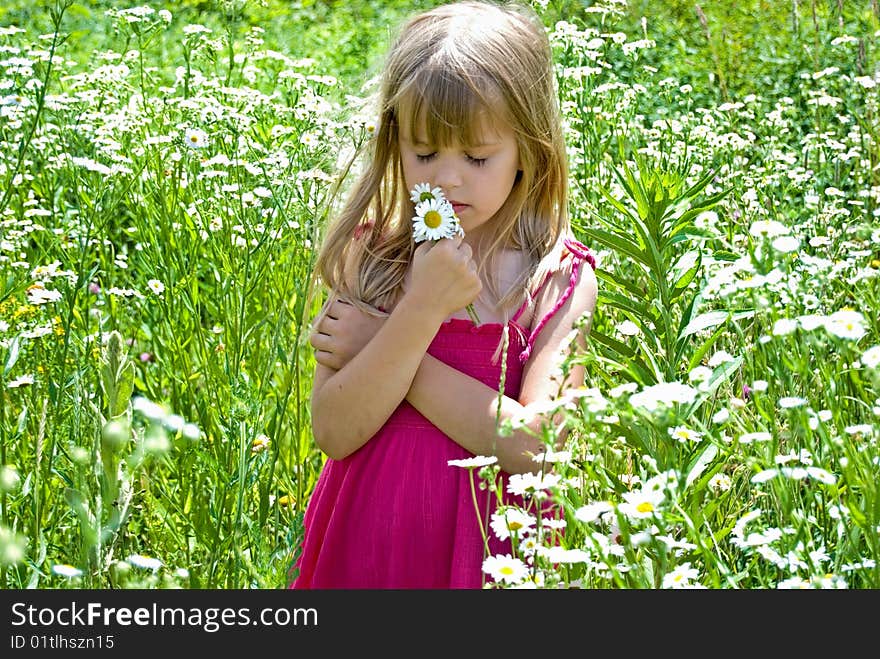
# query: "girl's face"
{"type": "Point", "coordinates": [476, 178]}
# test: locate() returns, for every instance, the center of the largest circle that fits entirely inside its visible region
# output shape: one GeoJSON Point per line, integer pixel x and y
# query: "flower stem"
{"type": "Point", "coordinates": [473, 314]}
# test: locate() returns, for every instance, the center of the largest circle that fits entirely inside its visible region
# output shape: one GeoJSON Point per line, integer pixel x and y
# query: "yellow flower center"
{"type": "Point", "coordinates": [645, 507]}
{"type": "Point", "coordinates": [433, 219]}
{"type": "Point", "coordinates": [506, 570]}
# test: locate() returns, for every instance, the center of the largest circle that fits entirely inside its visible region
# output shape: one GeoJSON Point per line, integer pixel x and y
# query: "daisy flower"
{"type": "Point", "coordinates": [505, 568]}
{"type": "Point", "coordinates": [511, 521]}
{"type": "Point", "coordinates": [424, 192]}
{"type": "Point", "coordinates": [195, 138]}
{"type": "Point", "coordinates": [67, 571]}
{"type": "Point", "coordinates": [434, 219]}
{"type": "Point", "coordinates": [476, 461]}
{"type": "Point", "coordinates": [145, 562]}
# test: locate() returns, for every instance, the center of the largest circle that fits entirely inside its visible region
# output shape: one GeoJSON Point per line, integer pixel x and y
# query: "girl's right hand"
{"type": "Point", "coordinates": [444, 274]}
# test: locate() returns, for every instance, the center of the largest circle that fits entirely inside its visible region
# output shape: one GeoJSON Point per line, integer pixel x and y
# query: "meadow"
{"type": "Point", "coordinates": [166, 174]}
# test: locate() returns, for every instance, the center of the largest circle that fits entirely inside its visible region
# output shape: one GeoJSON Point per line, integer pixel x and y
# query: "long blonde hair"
{"type": "Point", "coordinates": [447, 65]}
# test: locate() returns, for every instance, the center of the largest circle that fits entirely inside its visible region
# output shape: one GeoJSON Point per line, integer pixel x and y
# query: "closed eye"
{"type": "Point", "coordinates": [425, 158]}
{"type": "Point", "coordinates": [478, 162]}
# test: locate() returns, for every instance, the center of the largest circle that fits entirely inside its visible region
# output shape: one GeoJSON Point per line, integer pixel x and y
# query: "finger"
{"type": "Point", "coordinates": [327, 359]}
{"type": "Point", "coordinates": [423, 247]}
{"type": "Point", "coordinates": [320, 341]}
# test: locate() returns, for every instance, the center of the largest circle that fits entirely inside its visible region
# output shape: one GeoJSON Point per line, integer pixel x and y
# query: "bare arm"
{"type": "Point", "coordinates": [463, 407]}
{"type": "Point", "coordinates": [350, 404]}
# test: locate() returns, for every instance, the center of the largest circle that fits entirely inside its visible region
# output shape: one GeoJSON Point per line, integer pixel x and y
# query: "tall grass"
{"type": "Point", "coordinates": [160, 198]}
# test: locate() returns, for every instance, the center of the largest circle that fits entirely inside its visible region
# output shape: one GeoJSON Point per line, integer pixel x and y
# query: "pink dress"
{"type": "Point", "coordinates": [393, 514]}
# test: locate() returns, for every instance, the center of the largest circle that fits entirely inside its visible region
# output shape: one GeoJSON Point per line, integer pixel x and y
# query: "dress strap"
{"type": "Point", "coordinates": [579, 253]}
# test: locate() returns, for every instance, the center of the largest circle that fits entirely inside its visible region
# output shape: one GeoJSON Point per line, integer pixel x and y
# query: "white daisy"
{"type": "Point", "coordinates": [66, 571]}
{"type": "Point", "coordinates": [156, 286]}
{"type": "Point", "coordinates": [195, 138]}
{"type": "Point", "coordinates": [511, 521]}
{"type": "Point", "coordinates": [424, 192]}
{"type": "Point", "coordinates": [505, 568]}
{"type": "Point", "coordinates": [871, 357]}
{"type": "Point", "coordinates": [145, 562]}
{"type": "Point", "coordinates": [476, 461]}
{"type": "Point", "coordinates": [434, 220]}
{"type": "Point", "coordinates": [21, 381]}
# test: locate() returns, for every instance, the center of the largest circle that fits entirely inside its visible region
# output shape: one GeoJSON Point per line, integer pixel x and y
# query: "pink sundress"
{"type": "Point", "coordinates": [394, 514]}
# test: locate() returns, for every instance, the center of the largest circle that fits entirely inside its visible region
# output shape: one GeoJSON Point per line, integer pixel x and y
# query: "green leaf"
{"type": "Point", "coordinates": [618, 244]}
{"type": "Point", "coordinates": [11, 357]}
{"type": "Point", "coordinates": [704, 321]}
{"type": "Point", "coordinates": [698, 466]}
{"type": "Point", "coordinates": [622, 282]}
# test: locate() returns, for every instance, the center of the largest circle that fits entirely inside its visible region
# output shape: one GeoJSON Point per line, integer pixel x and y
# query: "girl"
{"type": "Point", "coordinates": [405, 381]}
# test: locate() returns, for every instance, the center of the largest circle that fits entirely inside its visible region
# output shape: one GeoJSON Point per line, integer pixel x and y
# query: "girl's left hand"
{"type": "Point", "coordinates": [342, 333]}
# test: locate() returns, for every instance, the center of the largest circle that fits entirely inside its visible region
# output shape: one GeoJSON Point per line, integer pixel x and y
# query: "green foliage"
{"type": "Point", "coordinates": [164, 184]}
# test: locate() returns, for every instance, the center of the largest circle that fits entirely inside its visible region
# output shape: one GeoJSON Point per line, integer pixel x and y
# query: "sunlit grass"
{"type": "Point", "coordinates": [159, 206]}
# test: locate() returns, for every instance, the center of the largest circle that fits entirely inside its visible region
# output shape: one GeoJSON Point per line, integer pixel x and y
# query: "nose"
{"type": "Point", "coordinates": [447, 174]}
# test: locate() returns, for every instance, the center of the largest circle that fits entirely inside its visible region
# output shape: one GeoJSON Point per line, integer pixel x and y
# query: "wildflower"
{"type": "Point", "coordinates": [871, 357]}
{"type": "Point", "coordinates": [476, 461]}
{"type": "Point", "coordinates": [720, 357]}
{"type": "Point", "coordinates": [750, 437]}
{"type": "Point", "coordinates": [505, 568]}
{"type": "Point", "coordinates": [719, 483]}
{"type": "Point", "coordinates": [721, 416]}
{"type": "Point", "coordinates": [9, 479]}
{"type": "Point", "coordinates": [520, 484]}
{"type": "Point", "coordinates": [641, 504]}
{"type": "Point", "coordinates": [434, 219]}
{"type": "Point", "coordinates": [261, 443]}
{"type": "Point", "coordinates": [593, 511]}
{"type": "Point", "coordinates": [552, 456]}
{"type": "Point", "coordinates": [628, 328]}
{"type": "Point", "coordinates": [144, 562]}
{"type": "Point", "coordinates": [67, 571]}
{"type": "Point", "coordinates": [285, 500]}
{"type": "Point", "coordinates": [846, 324]}
{"type": "Point", "coordinates": [511, 522]}
{"type": "Point", "coordinates": [788, 402]}
{"type": "Point", "coordinates": [786, 244]}
{"type": "Point", "coordinates": [681, 577]}
{"type": "Point", "coordinates": [12, 546]}
{"type": "Point", "coordinates": [768, 229]}
{"type": "Point", "coordinates": [37, 294]}
{"type": "Point", "coordinates": [156, 286]}
{"type": "Point", "coordinates": [424, 192]}
{"type": "Point", "coordinates": [621, 389]}
{"type": "Point", "coordinates": [195, 138]}
{"type": "Point", "coordinates": [21, 381]}
{"type": "Point", "coordinates": [563, 555]}
{"type": "Point", "coordinates": [784, 326]}
{"type": "Point", "coordinates": [665, 393]}
{"type": "Point", "coordinates": [685, 434]}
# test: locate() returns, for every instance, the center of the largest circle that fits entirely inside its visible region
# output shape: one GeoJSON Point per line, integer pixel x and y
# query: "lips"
{"type": "Point", "coordinates": [458, 207]}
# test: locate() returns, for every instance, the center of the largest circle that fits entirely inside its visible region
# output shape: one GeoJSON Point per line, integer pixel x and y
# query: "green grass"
{"type": "Point", "coordinates": [162, 189]}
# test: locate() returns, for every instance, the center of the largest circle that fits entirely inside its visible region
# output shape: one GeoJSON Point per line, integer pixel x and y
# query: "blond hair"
{"type": "Point", "coordinates": [448, 65]}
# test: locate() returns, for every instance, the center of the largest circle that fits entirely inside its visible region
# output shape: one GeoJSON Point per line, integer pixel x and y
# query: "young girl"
{"type": "Point", "coordinates": [405, 381]}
